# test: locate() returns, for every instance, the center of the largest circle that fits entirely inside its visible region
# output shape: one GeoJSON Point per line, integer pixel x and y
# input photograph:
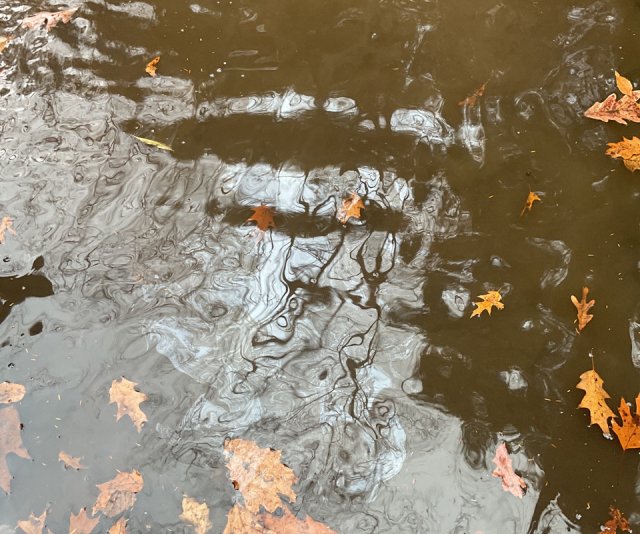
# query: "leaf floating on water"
{"type": "Point", "coordinates": [472, 99]}
{"type": "Point", "coordinates": [617, 521]}
{"type": "Point", "coordinates": [621, 111]}
{"type": "Point", "coordinates": [10, 393]}
{"type": "Point", "coordinates": [529, 202]}
{"type": "Point", "coordinates": [82, 523]}
{"type": "Point", "coordinates": [583, 308]}
{"type": "Point", "coordinates": [120, 527]}
{"type": "Point", "coordinates": [70, 461]}
{"type": "Point", "coordinates": [628, 150]}
{"type": "Point", "coordinates": [4, 41]}
{"type": "Point", "coordinates": [595, 400]}
{"type": "Point", "coordinates": [6, 225]}
{"type": "Point", "coordinates": [629, 433]}
{"type": "Point", "coordinates": [491, 299]}
{"type": "Point", "coordinates": [48, 19]}
{"type": "Point", "coordinates": [504, 470]}
{"type": "Point", "coordinates": [263, 217]}
{"type": "Point", "coordinates": [118, 494]}
{"type": "Point", "coordinates": [150, 69]}
{"type": "Point", "coordinates": [122, 392]}
{"type": "Point", "coordinates": [10, 442]}
{"type": "Point", "coordinates": [351, 207]}
{"type": "Point", "coordinates": [624, 85]}
{"type": "Point", "coordinates": [34, 524]}
{"type": "Point", "coordinates": [197, 514]}
{"type": "Point", "coordinates": [156, 144]}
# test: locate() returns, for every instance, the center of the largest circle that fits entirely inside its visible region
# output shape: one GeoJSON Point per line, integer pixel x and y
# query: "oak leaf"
{"type": "Point", "coordinates": [10, 442]}
{"type": "Point", "coordinates": [617, 521]}
{"type": "Point", "coordinates": [241, 521]}
{"type": "Point", "coordinates": [621, 111]}
{"type": "Point", "coordinates": [10, 392]}
{"type": "Point", "coordinates": [197, 514]}
{"type": "Point", "coordinates": [583, 308]}
{"type": "Point", "coordinates": [595, 400]}
{"type": "Point", "coordinates": [504, 470]}
{"type": "Point", "coordinates": [122, 392]}
{"type": "Point", "coordinates": [118, 494]}
{"type": "Point", "coordinates": [492, 298]}
{"type": "Point", "coordinates": [351, 207]}
{"type": "Point", "coordinates": [529, 202]}
{"type": "Point", "coordinates": [48, 19]}
{"type": "Point", "coordinates": [82, 523]}
{"type": "Point", "coordinates": [628, 150]}
{"type": "Point", "coordinates": [34, 524]}
{"type": "Point", "coordinates": [120, 527]}
{"type": "Point", "coordinates": [263, 217]}
{"type": "Point", "coordinates": [6, 225]}
{"type": "Point", "coordinates": [70, 461]}
{"type": "Point", "coordinates": [629, 433]}
{"type": "Point", "coordinates": [150, 69]}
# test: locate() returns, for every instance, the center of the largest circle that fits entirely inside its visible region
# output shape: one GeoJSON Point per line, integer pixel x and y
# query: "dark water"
{"type": "Point", "coordinates": [349, 348]}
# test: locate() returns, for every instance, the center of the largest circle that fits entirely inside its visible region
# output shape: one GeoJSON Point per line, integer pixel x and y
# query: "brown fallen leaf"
{"type": "Point", "coordinates": [351, 207]}
{"type": "Point", "coordinates": [472, 99]}
{"type": "Point", "coordinates": [197, 514]}
{"type": "Point", "coordinates": [617, 521]}
{"type": "Point", "coordinates": [504, 470]}
{"type": "Point", "coordinates": [595, 400]}
{"type": "Point", "coordinates": [150, 69]}
{"type": "Point", "coordinates": [10, 442]}
{"type": "Point", "coordinates": [529, 202]}
{"type": "Point", "coordinates": [122, 392]}
{"type": "Point", "coordinates": [241, 521]}
{"type": "Point", "coordinates": [263, 217]}
{"type": "Point", "coordinates": [4, 41]}
{"type": "Point", "coordinates": [628, 150]}
{"type": "Point", "coordinates": [34, 524]}
{"type": "Point", "coordinates": [629, 433]}
{"type": "Point", "coordinates": [259, 475]}
{"type": "Point", "coordinates": [120, 527]}
{"type": "Point", "coordinates": [48, 19]}
{"type": "Point", "coordinates": [6, 225]}
{"type": "Point", "coordinates": [10, 392]}
{"type": "Point", "coordinates": [492, 298]}
{"type": "Point", "coordinates": [118, 494]}
{"type": "Point", "coordinates": [621, 111]}
{"type": "Point", "coordinates": [82, 523]}
{"type": "Point", "coordinates": [583, 308]}
{"type": "Point", "coordinates": [70, 461]}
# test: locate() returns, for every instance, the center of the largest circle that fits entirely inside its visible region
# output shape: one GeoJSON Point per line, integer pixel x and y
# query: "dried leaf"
{"type": "Point", "coordinates": [504, 470]}
{"type": "Point", "coordinates": [624, 85]}
{"type": "Point", "coordinates": [197, 514]}
{"type": "Point", "coordinates": [10, 392]}
{"type": "Point", "coordinates": [595, 400]}
{"type": "Point", "coordinates": [6, 225]}
{"type": "Point", "coordinates": [120, 527]}
{"type": "Point", "coordinates": [82, 523]}
{"type": "Point", "coordinates": [118, 494]}
{"type": "Point", "coordinates": [621, 111]}
{"type": "Point", "coordinates": [150, 69]}
{"type": "Point", "coordinates": [472, 99]}
{"type": "Point", "coordinates": [629, 433]}
{"type": "Point", "coordinates": [258, 474]}
{"type": "Point", "coordinates": [70, 461]}
{"type": "Point", "coordinates": [617, 521]}
{"type": "Point", "coordinates": [583, 308]}
{"type": "Point", "coordinates": [628, 150]}
{"type": "Point", "coordinates": [4, 41]}
{"type": "Point", "coordinates": [350, 208]}
{"type": "Point", "coordinates": [529, 202]}
{"type": "Point", "coordinates": [489, 300]}
{"type": "Point", "coordinates": [10, 442]}
{"type": "Point", "coordinates": [122, 392]}
{"type": "Point", "coordinates": [156, 144]}
{"type": "Point", "coordinates": [263, 217]}
{"type": "Point", "coordinates": [48, 19]}
{"type": "Point", "coordinates": [241, 521]}
{"type": "Point", "coordinates": [34, 524]}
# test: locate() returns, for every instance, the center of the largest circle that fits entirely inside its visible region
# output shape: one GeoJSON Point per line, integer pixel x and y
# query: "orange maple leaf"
{"type": "Point", "coordinates": [122, 392]}
{"type": "Point", "coordinates": [351, 207]}
{"type": "Point", "coordinates": [628, 150]}
{"type": "Point", "coordinates": [621, 111]}
{"type": "Point", "coordinates": [82, 523]}
{"type": "Point", "coordinates": [118, 494]}
{"type": "Point", "coordinates": [263, 216]}
{"type": "Point", "coordinates": [595, 400]}
{"type": "Point", "coordinates": [629, 433]}
{"type": "Point", "coordinates": [617, 521]}
{"type": "Point", "coordinates": [529, 202]}
{"type": "Point", "coordinates": [150, 69]}
{"type": "Point", "coordinates": [10, 442]}
{"type": "Point", "coordinates": [491, 299]}
{"type": "Point", "coordinates": [583, 308]}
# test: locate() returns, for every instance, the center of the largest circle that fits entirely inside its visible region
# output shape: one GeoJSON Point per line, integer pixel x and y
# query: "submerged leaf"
{"type": "Point", "coordinates": [6, 225]}
{"type": "Point", "coordinates": [595, 400]}
{"type": "Point", "coordinates": [504, 470]}
{"type": "Point", "coordinates": [118, 494]}
{"type": "Point", "coordinates": [472, 99]}
{"type": "Point", "coordinates": [10, 442]}
{"type": "Point", "coordinates": [628, 150]}
{"type": "Point", "coordinates": [583, 308]}
{"type": "Point", "coordinates": [156, 144]}
{"type": "Point", "coordinates": [629, 433]}
{"type": "Point", "coordinates": [491, 299]}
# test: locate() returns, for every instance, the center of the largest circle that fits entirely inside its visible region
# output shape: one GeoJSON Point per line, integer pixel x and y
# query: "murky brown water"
{"type": "Point", "coordinates": [348, 348]}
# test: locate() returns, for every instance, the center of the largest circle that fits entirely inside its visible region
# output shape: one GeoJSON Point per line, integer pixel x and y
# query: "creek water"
{"type": "Point", "coordinates": [347, 347]}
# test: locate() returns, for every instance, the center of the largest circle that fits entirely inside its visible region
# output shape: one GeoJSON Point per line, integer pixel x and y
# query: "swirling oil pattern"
{"type": "Point", "coordinates": [348, 347]}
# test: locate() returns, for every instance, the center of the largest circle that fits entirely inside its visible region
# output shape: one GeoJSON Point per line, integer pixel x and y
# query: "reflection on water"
{"type": "Point", "coordinates": [348, 347]}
